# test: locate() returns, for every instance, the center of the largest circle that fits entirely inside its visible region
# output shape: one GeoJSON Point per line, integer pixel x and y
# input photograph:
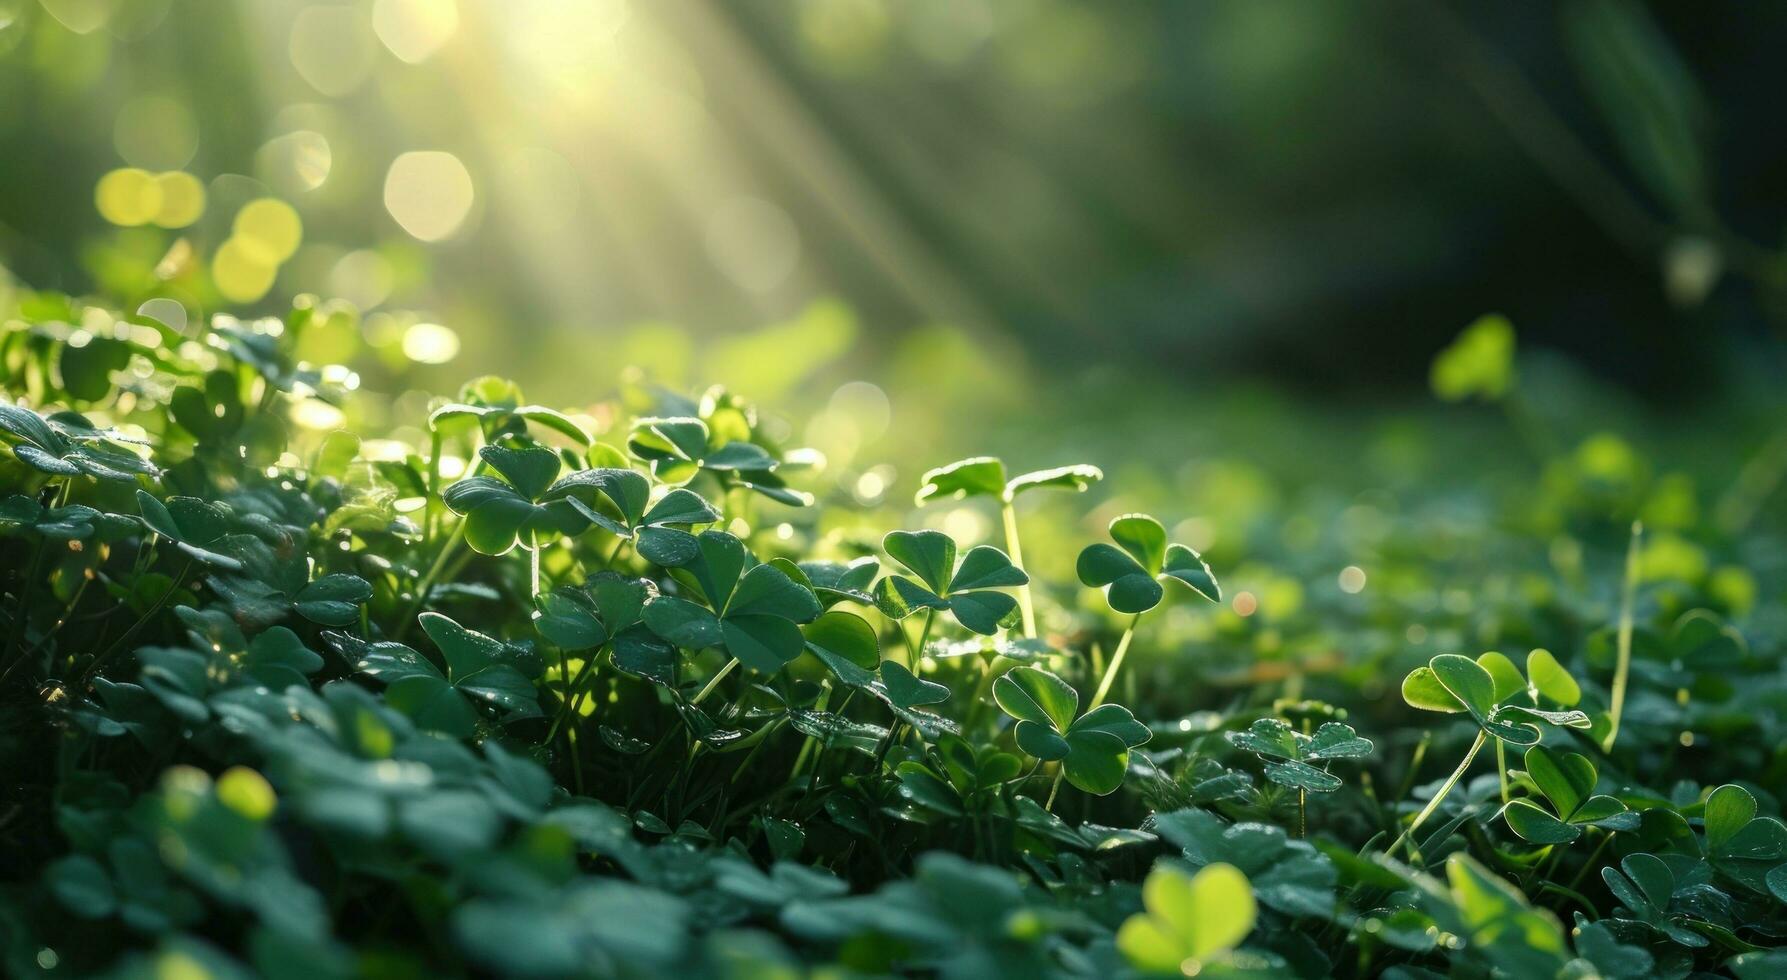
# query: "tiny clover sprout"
{"type": "Point", "coordinates": [197, 527]}
{"type": "Point", "coordinates": [1740, 845]}
{"type": "Point", "coordinates": [1645, 888]}
{"type": "Point", "coordinates": [619, 501]}
{"type": "Point", "coordinates": [1131, 576]}
{"type": "Point", "coordinates": [1480, 363]}
{"type": "Point", "coordinates": [499, 514]}
{"type": "Point", "coordinates": [1452, 683]}
{"type": "Point", "coordinates": [753, 609]}
{"type": "Point", "coordinates": [508, 419]}
{"type": "Point", "coordinates": [1290, 753]}
{"type": "Point", "coordinates": [681, 447]}
{"type": "Point", "coordinates": [968, 590]}
{"type": "Point", "coordinates": [1189, 920]}
{"type": "Point", "coordinates": [66, 444]}
{"type": "Point", "coordinates": [984, 476]}
{"type": "Point", "coordinates": [1093, 749]}
{"type": "Point", "coordinates": [1567, 781]}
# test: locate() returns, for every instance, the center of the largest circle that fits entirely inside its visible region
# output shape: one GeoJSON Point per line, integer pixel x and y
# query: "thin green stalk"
{"type": "Point", "coordinates": [534, 571]}
{"type": "Point", "coordinates": [714, 682]}
{"type": "Point", "coordinates": [1055, 787]}
{"type": "Point", "coordinates": [1576, 879]}
{"type": "Point", "coordinates": [1110, 670]}
{"type": "Point", "coordinates": [918, 650]}
{"type": "Point", "coordinates": [1445, 788]}
{"type": "Point", "coordinates": [118, 644]}
{"type": "Point", "coordinates": [1501, 768]}
{"type": "Point", "coordinates": [424, 587]}
{"type": "Point", "coordinates": [1009, 514]}
{"type": "Point", "coordinates": [1623, 669]}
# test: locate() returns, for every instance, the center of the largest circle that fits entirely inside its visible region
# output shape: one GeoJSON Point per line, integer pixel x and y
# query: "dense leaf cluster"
{"type": "Point", "coordinates": [562, 694]}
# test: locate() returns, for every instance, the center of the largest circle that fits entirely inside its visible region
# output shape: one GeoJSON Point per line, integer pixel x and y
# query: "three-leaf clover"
{"type": "Point", "coordinates": [197, 527]}
{"type": "Point", "coordinates": [968, 590]}
{"type": "Point", "coordinates": [1741, 845]}
{"type": "Point", "coordinates": [478, 668]}
{"type": "Point", "coordinates": [1567, 781]}
{"type": "Point", "coordinates": [1645, 886]}
{"type": "Point", "coordinates": [1093, 749]}
{"type": "Point", "coordinates": [66, 444]}
{"type": "Point", "coordinates": [1290, 753]}
{"type": "Point", "coordinates": [496, 419]}
{"type": "Point", "coordinates": [629, 513]}
{"type": "Point", "coordinates": [753, 608]}
{"type": "Point", "coordinates": [1479, 363]}
{"type": "Point", "coordinates": [1131, 575]}
{"type": "Point", "coordinates": [985, 476]}
{"type": "Point", "coordinates": [1453, 683]}
{"type": "Point", "coordinates": [499, 514]}
{"type": "Point", "coordinates": [681, 447]}
{"type": "Point", "coordinates": [1189, 919]}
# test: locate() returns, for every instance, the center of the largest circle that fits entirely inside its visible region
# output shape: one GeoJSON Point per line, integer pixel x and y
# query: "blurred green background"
{"type": "Point", "coordinates": [997, 200]}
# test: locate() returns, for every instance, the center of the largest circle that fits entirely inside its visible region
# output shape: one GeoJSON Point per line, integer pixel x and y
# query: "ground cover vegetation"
{"type": "Point", "coordinates": [600, 693]}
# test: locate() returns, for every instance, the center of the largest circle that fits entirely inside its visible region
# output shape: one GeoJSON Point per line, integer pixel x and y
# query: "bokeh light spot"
{"type": "Point", "coordinates": [298, 161]}
{"type": "Point", "coordinates": [242, 272]}
{"type": "Point", "coordinates": [182, 199]}
{"type": "Point", "coordinates": [429, 193]}
{"type": "Point", "coordinates": [128, 196]}
{"type": "Point", "coordinates": [270, 226]}
{"type": "Point", "coordinates": [430, 343]}
{"type": "Point", "coordinates": [363, 278]}
{"type": "Point", "coordinates": [332, 48]}
{"type": "Point", "coordinates": [1352, 580]}
{"type": "Point", "coordinates": [414, 30]}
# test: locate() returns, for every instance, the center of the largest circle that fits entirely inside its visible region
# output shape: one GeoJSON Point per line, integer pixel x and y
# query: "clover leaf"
{"type": "Point", "coordinates": [955, 776]}
{"type": "Point", "coordinates": [1567, 782]}
{"type": "Point", "coordinates": [1293, 752]}
{"type": "Point", "coordinates": [1288, 875]}
{"type": "Point", "coordinates": [197, 527]}
{"type": "Point", "coordinates": [753, 609]}
{"type": "Point", "coordinates": [968, 590]}
{"type": "Point", "coordinates": [681, 447]}
{"type": "Point", "coordinates": [70, 522]}
{"type": "Point", "coordinates": [1131, 575]}
{"type": "Point", "coordinates": [1189, 919]}
{"type": "Point", "coordinates": [1093, 749]}
{"type": "Point", "coordinates": [479, 668]}
{"type": "Point", "coordinates": [835, 582]}
{"type": "Point", "coordinates": [1452, 683]}
{"type": "Point", "coordinates": [499, 514]}
{"type": "Point", "coordinates": [498, 419]}
{"type": "Point", "coordinates": [66, 444]}
{"type": "Point", "coordinates": [1645, 888]}
{"type": "Point", "coordinates": [619, 502]}
{"type": "Point", "coordinates": [1739, 844]}
{"type": "Point", "coordinates": [985, 476]}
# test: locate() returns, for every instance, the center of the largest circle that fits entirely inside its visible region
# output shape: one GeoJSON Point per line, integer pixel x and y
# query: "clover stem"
{"type": "Point", "coordinates": [534, 570]}
{"type": "Point", "coordinates": [1015, 551]}
{"type": "Point", "coordinates": [1055, 787]}
{"type": "Point", "coordinates": [1624, 666]}
{"type": "Point", "coordinates": [714, 682]}
{"type": "Point", "coordinates": [1606, 839]}
{"type": "Point", "coordinates": [1501, 768]}
{"type": "Point", "coordinates": [918, 649]}
{"type": "Point", "coordinates": [434, 485]}
{"type": "Point", "coordinates": [118, 644]}
{"type": "Point", "coordinates": [1110, 670]}
{"type": "Point", "coordinates": [1302, 813]}
{"type": "Point", "coordinates": [1445, 788]}
{"type": "Point", "coordinates": [424, 587]}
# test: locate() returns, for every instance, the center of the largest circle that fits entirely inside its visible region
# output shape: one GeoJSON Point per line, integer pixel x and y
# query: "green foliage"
{"type": "Point", "coordinates": [643, 693]}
